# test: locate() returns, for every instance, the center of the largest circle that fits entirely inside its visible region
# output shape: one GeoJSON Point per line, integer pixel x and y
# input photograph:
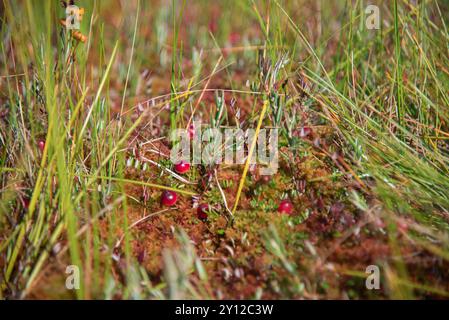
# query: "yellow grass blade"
{"type": "Point", "coordinates": [250, 154]}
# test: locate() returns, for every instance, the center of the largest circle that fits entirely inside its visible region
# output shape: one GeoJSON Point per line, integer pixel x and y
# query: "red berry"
{"type": "Point", "coordinates": [41, 145]}
{"type": "Point", "coordinates": [203, 211]}
{"type": "Point", "coordinates": [169, 198]}
{"type": "Point", "coordinates": [182, 167]}
{"type": "Point", "coordinates": [285, 207]}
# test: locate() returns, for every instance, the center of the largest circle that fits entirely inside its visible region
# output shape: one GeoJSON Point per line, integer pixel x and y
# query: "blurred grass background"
{"type": "Point", "coordinates": [384, 92]}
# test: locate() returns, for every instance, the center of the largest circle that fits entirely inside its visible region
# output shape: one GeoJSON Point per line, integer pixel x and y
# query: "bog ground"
{"type": "Point", "coordinates": [91, 207]}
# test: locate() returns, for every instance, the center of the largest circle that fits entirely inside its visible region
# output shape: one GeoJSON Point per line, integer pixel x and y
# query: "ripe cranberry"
{"type": "Point", "coordinates": [182, 167]}
{"type": "Point", "coordinates": [203, 211]}
{"type": "Point", "coordinates": [41, 145]}
{"type": "Point", "coordinates": [169, 198]}
{"type": "Point", "coordinates": [285, 207]}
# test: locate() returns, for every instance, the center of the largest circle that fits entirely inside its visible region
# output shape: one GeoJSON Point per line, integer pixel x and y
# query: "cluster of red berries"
{"type": "Point", "coordinates": [169, 197]}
